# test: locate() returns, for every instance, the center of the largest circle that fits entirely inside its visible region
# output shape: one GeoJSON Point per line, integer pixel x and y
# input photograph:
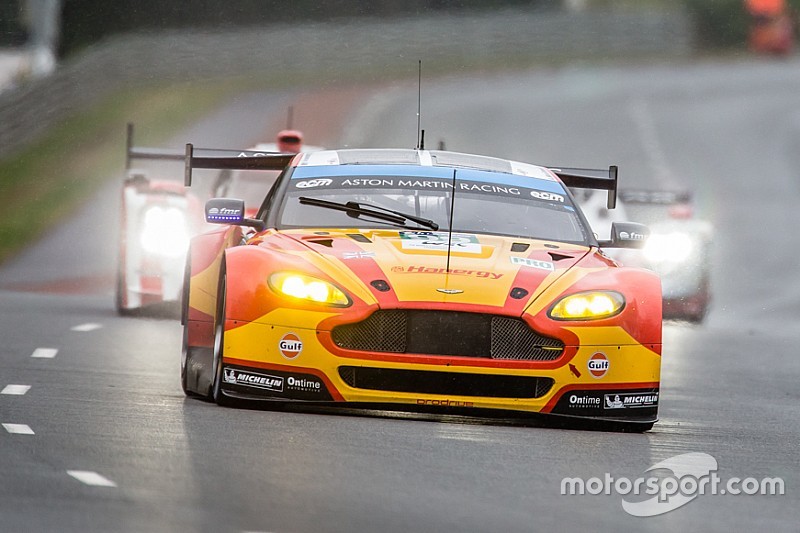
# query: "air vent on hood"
{"type": "Point", "coordinates": [520, 247]}
{"type": "Point", "coordinates": [518, 293]}
{"type": "Point", "coordinates": [322, 242]}
{"type": "Point", "coordinates": [559, 257]}
{"type": "Point", "coordinates": [358, 237]}
{"type": "Point", "coordinates": [381, 285]}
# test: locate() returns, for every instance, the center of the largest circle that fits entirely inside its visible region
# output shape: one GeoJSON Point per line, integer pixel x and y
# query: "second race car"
{"type": "Point", "coordinates": [679, 247]}
{"type": "Point", "coordinates": [158, 216]}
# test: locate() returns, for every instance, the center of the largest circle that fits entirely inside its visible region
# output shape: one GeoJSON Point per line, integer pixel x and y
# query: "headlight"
{"type": "Point", "coordinates": [670, 247]}
{"type": "Point", "coordinates": [591, 305]}
{"type": "Point", "coordinates": [164, 231]}
{"type": "Point", "coordinates": [308, 288]}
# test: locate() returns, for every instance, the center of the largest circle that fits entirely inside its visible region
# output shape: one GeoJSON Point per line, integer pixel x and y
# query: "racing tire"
{"type": "Point", "coordinates": [620, 427]}
{"type": "Point", "coordinates": [217, 395]}
{"type": "Point", "coordinates": [705, 297]}
{"type": "Point", "coordinates": [119, 295]}
{"type": "Point", "coordinates": [192, 359]}
{"type": "Point", "coordinates": [195, 361]}
{"type": "Point", "coordinates": [638, 428]}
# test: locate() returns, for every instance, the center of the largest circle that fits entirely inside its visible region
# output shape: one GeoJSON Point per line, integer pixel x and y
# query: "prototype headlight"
{"type": "Point", "coordinates": [591, 305]}
{"type": "Point", "coordinates": [675, 247]}
{"type": "Point", "coordinates": [308, 288]}
{"type": "Point", "coordinates": [164, 231]}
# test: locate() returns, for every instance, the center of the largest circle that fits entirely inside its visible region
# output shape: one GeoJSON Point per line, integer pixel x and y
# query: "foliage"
{"type": "Point", "coordinates": [12, 30]}
{"type": "Point", "coordinates": [87, 21]}
{"type": "Point", "coordinates": [718, 23]}
{"type": "Point", "coordinates": [50, 179]}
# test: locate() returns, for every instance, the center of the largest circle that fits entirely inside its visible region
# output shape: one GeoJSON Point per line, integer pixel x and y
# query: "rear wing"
{"type": "Point", "coordinates": [586, 178]}
{"type": "Point", "coordinates": [210, 158]}
{"type": "Point", "coordinates": [655, 197]}
{"type": "Point", "coordinates": [137, 152]}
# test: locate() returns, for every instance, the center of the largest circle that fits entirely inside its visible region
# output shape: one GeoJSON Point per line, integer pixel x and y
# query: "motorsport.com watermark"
{"type": "Point", "coordinates": [692, 475]}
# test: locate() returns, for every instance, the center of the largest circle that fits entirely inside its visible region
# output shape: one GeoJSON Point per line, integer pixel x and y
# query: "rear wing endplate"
{"type": "Point", "coordinates": [137, 152]}
{"type": "Point", "coordinates": [585, 178]}
{"type": "Point", "coordinates": [231, 160]}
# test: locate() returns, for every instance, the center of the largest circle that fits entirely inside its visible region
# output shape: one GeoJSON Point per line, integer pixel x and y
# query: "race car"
{"type": "Point", "coordinates": [420, 280]}
{"type": "Point", "coordinates": [678, 249]}
{"type": "Point", "coordinates": [159, 216]}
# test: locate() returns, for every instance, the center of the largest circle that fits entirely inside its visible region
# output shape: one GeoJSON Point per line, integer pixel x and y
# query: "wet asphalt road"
{"type": "Point", "coordinates": [109, 401]}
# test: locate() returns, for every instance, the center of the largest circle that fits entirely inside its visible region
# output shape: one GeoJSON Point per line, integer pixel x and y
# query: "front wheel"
{"type": "Point", "coordinates": [196, 372]}
{"type": "Point", "coordinates": [196, 361]}
{"type": "Point", "coordinates": [120, 298]}
{"type": "Point", "coordinates": [219, 345]}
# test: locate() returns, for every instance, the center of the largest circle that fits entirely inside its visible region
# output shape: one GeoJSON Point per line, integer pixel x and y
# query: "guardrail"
{"type": "Point", "coordinates": [332, 49]}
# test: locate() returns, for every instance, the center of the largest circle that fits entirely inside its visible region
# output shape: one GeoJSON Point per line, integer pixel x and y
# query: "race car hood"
{"type": "Point", "coordinates": [410, 268]}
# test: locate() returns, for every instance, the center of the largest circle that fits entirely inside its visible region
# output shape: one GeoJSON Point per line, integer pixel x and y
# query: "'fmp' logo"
{"type": "Point", "coordinates": [290, 346]}
{"type": "Point", "coordinates": [598, 365]}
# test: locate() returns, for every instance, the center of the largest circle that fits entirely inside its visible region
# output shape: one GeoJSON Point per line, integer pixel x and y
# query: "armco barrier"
{"type": "Point", "coordinates": [328, 49]}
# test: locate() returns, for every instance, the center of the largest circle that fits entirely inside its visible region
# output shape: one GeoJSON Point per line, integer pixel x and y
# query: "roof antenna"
{"type": "Point", "coordinates": [290, 117]}
{"type": "Point", "coordinates": [420, 132]}
{"type": "Point", "coordinates": [450, 225]}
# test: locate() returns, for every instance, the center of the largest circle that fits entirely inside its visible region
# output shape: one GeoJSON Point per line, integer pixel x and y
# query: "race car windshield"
{"type": "Point", "coordinates": [479, 207]}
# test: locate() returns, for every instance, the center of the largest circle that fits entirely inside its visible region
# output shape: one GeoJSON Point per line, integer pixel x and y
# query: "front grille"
{"type": "Point", "coordinates": [449, 333]}
{"type": "Point", "coordinates": [513, 339]}
{"type": "Point", "coordinates": [382, 331]}
{"type": "Point", "coordinates": [445, 383]}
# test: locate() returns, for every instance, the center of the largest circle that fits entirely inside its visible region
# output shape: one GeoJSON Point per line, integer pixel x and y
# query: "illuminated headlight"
{"type": "Point", "coordinates": [588, 306]}
{"type": "Point", "coordinates": [673, 247]}
{"type": "Point", "coordinates": [308, 288]}
{"type": "Point", "coordinates": [164, 232]}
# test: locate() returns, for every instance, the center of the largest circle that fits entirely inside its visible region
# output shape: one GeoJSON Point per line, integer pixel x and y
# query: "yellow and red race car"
{"type": "Point", "coordinates": [420, 280]}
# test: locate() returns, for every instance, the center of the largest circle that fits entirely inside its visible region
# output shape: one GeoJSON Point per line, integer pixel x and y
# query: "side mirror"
{"type": "Point", "coordinates": [229, 211]}
{"type": "Point", "coordinates": [627, 235]}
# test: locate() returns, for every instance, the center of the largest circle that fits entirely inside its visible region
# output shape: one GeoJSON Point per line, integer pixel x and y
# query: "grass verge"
{"type": "Point", "coordinates": [49, 179]}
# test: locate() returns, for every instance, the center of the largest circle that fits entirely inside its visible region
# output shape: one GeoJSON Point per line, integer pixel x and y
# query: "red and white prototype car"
{"type": "Point", "coordinates": [159, 216]}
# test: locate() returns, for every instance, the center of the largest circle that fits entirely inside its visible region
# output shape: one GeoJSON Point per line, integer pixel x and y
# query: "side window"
{"type": "Point", "coordinates": [220, 187]}
{"type": "Point", "coordinates": [266, 205]}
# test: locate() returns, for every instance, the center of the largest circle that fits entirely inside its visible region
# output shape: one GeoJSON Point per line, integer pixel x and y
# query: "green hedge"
{"type": "Point", "coordinates": [12, 28]}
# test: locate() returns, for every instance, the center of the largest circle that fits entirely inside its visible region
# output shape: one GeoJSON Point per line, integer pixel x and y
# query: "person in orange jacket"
{"type": "Point", "coordinates": [771, 26]}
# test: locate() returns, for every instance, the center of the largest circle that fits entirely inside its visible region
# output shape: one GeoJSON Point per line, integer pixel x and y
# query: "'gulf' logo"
{"type": "Point", "coordinates": [598, 365]}
{"type": "Point", "coordinates": [290, 346]}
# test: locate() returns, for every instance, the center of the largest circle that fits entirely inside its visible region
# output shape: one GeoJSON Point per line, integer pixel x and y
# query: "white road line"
{"type": "Point", "coordinates": [465, 432]}
{"type": "Point", "coordinates": [18, 429]}
{"type": "Point", "coordinates": [16, 390]}
{"type": "Point", "coordinates": [91, 326]}
{"type": "Point", "coordinates": [44, 353]}
{"type": "Point", "coordinates": [91, 478]}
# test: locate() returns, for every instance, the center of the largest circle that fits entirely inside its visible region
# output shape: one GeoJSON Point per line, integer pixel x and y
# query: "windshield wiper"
{"type": "Point", "coordinates": [355, 209]}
